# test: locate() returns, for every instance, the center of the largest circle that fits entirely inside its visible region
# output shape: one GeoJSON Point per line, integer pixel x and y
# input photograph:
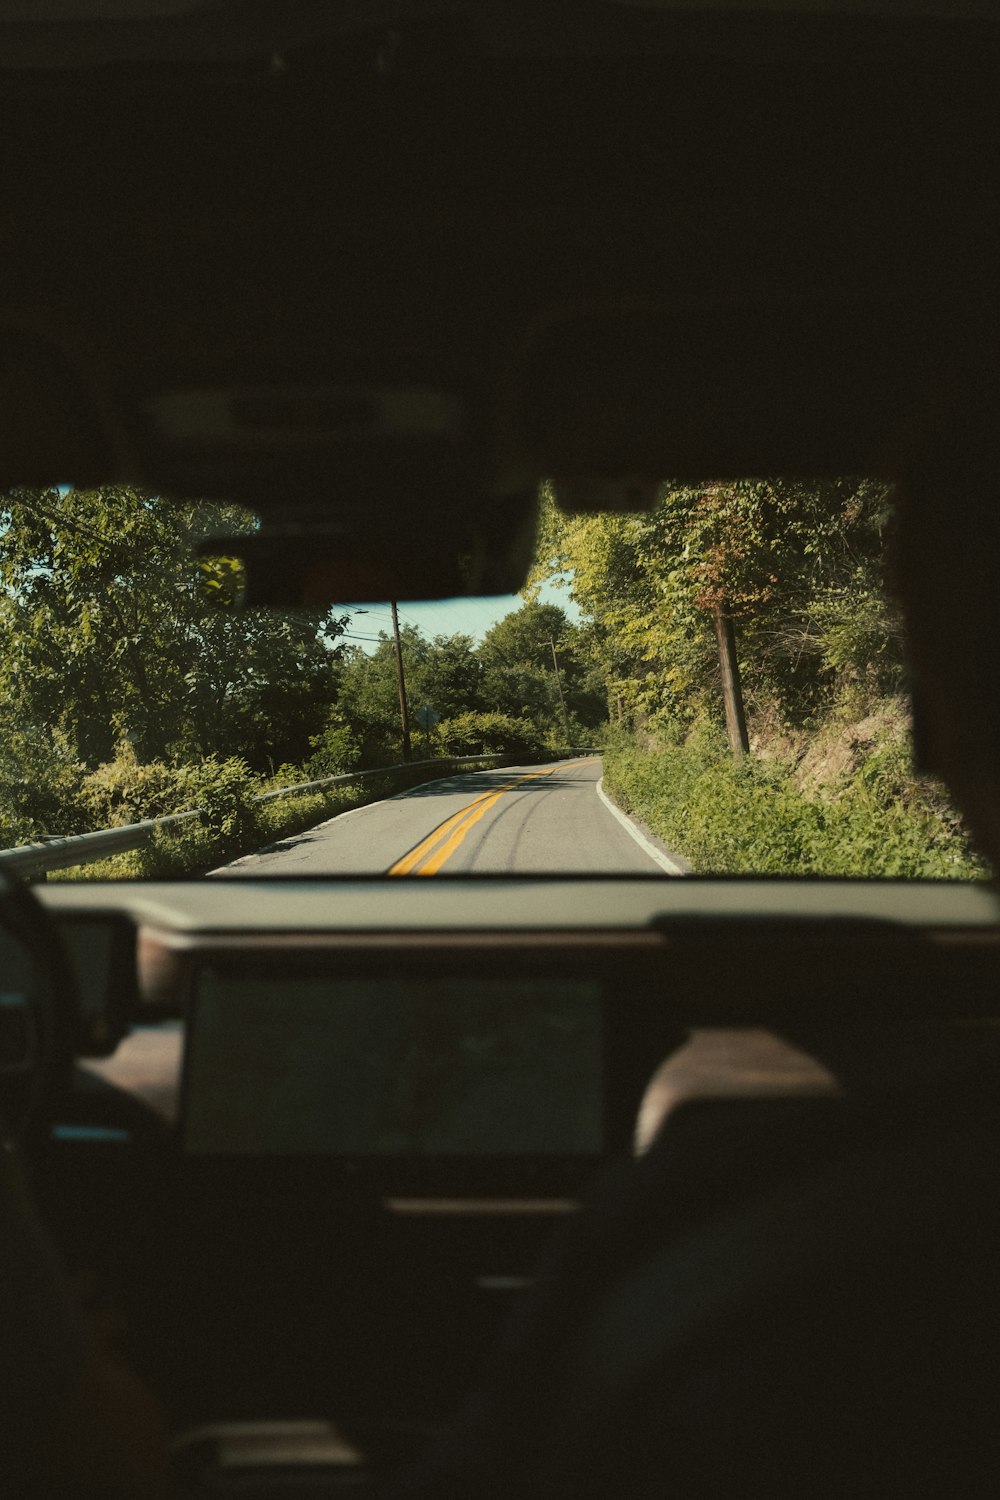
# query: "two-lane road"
{"type": "Point", "coordinates": [516, 821]}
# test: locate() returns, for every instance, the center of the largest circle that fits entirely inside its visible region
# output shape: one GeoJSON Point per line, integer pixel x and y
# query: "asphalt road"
{"type": "Point", "coordinates": [516, 821]}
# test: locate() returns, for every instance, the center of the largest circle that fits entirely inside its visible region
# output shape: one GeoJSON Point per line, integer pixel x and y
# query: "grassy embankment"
{"type": "Point", "coordinates": [840, 799]}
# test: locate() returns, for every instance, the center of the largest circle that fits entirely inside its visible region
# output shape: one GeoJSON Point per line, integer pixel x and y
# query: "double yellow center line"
{"type": "Point", "coordinates": [437, 848]}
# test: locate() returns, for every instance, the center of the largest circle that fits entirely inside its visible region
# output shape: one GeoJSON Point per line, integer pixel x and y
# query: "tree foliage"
{"type": "Point", "coordinates": [110, 639]}
{"type": "Point", "coordinates": [799, 567]}
{"type": "Point", "coordinates": [444, 672]}
{"type": "Point", "coordinates": [522, 655]}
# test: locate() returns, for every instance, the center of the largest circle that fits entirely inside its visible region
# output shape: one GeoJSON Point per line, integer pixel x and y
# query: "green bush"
{"type": "Point", "coordinates": [287, 816]}
{"type": "Point", "coordinates": [224, 790]}
{"type": "Point", "coordinates": [730, 817]}
{"type": "Point", "coordinates": [491, 734]}
{"type": "Point", "coordinates": [126, 790]}
{"type": "Point", "coordinates": [334, 750]}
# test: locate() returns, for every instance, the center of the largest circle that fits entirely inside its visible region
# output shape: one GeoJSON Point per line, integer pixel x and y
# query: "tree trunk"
{"type": "Point", "coordinates": [732, 691]}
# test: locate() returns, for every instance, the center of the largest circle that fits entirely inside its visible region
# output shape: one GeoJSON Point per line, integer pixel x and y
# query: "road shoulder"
{"type": "Point", "coordinates": [668, 861]}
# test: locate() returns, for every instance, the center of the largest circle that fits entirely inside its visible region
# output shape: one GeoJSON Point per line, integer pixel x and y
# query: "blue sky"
{"type": "Point", "coordinates": [444, 616]}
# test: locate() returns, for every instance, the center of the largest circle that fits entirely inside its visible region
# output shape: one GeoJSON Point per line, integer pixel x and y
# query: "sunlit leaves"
{"type": "Point", "coordinates": [799, 565]}
{"type": "Point", "coordinates": [109, 636]}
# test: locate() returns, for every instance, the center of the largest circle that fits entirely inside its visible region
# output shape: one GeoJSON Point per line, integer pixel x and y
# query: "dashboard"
{"type": "Point", "coordinates": [474, 1033]}
{"type": "Point", "coordinates": [321, 1132]}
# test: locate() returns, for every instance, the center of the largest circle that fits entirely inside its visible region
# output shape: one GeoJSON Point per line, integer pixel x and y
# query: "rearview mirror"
{"type": "Point", "coordinates": [430, 557]}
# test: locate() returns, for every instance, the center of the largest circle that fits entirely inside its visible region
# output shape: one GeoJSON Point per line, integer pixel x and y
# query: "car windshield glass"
{"type": "Point", "coordinates": [714, 686]}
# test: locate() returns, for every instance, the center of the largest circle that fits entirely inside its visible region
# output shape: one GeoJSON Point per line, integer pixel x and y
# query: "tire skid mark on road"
{"type": "Point", "coordinates": [406, 865]}
{"type": "Point", "coordinates": [428, 857]}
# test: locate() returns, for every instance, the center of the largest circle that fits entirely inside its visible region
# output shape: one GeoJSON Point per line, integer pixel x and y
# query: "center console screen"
{"type": "Point", "coordinates": [393, 1066]}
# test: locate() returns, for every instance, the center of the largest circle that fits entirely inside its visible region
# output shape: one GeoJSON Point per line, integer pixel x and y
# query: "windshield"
{"type": "Point", "coordinates": [716, 686]}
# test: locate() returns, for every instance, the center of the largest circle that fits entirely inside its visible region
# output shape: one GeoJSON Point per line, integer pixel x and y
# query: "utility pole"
{"type": "Point", "coordinates": [732, 691]}
{"type": "Point", "coordinates": [562, 700]}
{"type": "Point", "coordinates": [404, 712]}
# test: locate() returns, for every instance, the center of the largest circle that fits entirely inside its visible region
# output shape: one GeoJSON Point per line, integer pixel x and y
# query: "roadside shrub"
{"type": "Point", "coordinates": [225, 791]}
{"type": "Point", "coordinates": [126, 790]}
{"type": "Point", "coordinates": [729, 817]}
{"type": "Point", "coordinates": [334, 750]}
{"type": "Point", "coordinates": [860, 635]}
{"type": "Point", "coordinates": [490, 734]}
{"type": "Point", "coordinates": [194, 848]}
{"type": "Point", "coordinates": [287, 774]}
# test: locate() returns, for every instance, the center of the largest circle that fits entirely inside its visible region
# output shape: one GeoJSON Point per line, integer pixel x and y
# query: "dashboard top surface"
{"type": "Point", "coordinates": [532, 905]}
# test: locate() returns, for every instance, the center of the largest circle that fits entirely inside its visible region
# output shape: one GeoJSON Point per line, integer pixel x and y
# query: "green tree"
{"type": "Point", "coordinates": [519, 676]}
{"type": "Point", "coordinates": [445, 672]}
{"type": "Point", "coordinates": [800, 567]}
{"type": "Point", "coordinates": [110, 640]}
{"type": "Point", "coordinates": [449, 677]}
{"type": "Point", "coordinates": [369, 700]}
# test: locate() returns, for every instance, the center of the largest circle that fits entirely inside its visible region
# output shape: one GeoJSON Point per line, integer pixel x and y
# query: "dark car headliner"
{"type": "Point", "coordinates": [381, 268]}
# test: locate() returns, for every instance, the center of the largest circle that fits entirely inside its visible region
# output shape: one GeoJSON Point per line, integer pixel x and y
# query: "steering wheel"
{"type": "Point", "coordinates": [37, 1010]}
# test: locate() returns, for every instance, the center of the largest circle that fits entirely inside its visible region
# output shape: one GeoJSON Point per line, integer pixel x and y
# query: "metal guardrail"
{"type": "Point", "coordinates": [31, 860]}
{"type": "Point", "coordinates": [34, 860]}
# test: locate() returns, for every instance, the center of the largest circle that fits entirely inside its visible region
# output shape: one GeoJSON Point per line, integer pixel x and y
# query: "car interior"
{"type": "Point", "coordinates": [376, 270]}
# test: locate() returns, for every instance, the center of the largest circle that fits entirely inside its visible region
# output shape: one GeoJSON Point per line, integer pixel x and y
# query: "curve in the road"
{"type": "Point", "coordinates": [524, 820]}
{"type": "Point", "coordinates": [434, 851]}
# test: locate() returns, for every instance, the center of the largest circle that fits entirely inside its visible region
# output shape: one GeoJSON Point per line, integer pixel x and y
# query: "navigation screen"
{"type": "Point", "coordinates": [391, 1067]}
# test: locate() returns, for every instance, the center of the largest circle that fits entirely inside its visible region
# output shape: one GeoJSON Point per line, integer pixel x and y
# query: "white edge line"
{"type": "Point", "coordinates": [663, 860]}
